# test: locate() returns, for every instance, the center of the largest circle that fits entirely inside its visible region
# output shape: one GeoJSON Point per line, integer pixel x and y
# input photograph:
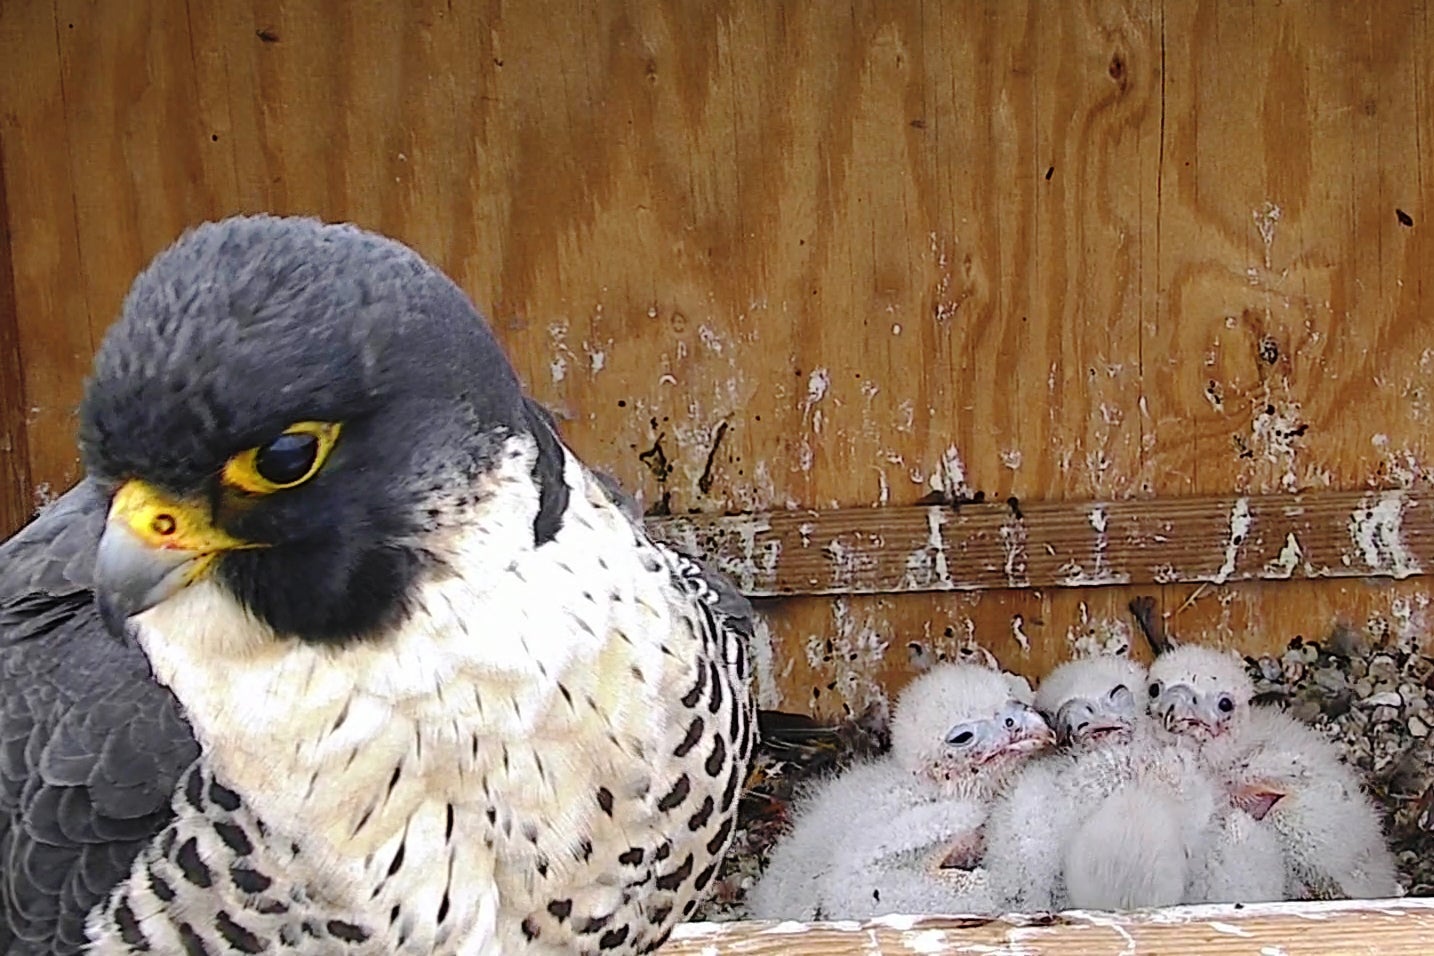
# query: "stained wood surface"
{"type": "Point", "coordinates": [15, 487]}
{"type": "Point", "coordinates": [1392, 927]}
{"type": "Point", "coordinates": [987, 546]}
{"type": "Point", "coordinates": [802, 256]}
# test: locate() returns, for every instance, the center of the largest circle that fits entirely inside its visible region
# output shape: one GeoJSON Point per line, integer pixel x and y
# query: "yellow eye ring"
{"type": "Point", "coordinates": [289, 460]}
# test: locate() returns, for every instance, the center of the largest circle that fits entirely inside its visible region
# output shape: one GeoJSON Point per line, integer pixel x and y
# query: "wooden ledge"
{"type": "Point", "coordinates": [1336, 534]}
{"type": "Point", "coordinates": [1403, 927]}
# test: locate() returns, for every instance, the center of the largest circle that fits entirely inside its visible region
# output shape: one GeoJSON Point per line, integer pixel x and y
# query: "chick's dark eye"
{"type": "Point", "coordinates": [1226, 705]}
{"type": "Point", "coordinates": [1155, 690]}
{"type": "Point", "coordinates": [287, 459]}
{"type": "Point", "coordinates": [963, 738]}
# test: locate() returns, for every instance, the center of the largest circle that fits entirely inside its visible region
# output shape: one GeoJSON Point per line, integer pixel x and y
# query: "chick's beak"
{"type": "Point", "coordinates": [1080, 720]}
{"type": "Point", "coordinates": [1026, 731]}
{"type": "Point", "coordinates": [151, 548]}
{"type": "Point", "coordinates": [1183, 711]}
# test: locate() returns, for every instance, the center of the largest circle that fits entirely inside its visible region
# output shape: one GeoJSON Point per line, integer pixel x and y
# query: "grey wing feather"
{"type": "Point", "coordinates": [91, 747]}
{"type": "Point", "coordinates": [730, 620]}
{"type": "Point", "coordinates": [625, 502]}
{"type": "Point", "coordinates": [716, 592]}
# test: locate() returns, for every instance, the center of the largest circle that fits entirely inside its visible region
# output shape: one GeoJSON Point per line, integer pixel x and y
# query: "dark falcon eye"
{"type": "Point", "coordinates": [1226, 705]}
{"type": "Point", "coordinates": [287, 459]}
{"type": "Point", "coordinates": [963, 738]}
{"type": "Point", "coordinates": [1155, 690]}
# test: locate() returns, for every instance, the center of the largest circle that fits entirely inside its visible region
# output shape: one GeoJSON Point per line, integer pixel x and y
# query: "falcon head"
{"type": "Point", "coordinates": [1092, 700]}
{"type": "Point", "coordinates": [960, 721]}
{"type": "Point", "coordinates": [304, 417]}
{"type": "Point", "coordinates": [1199, 692]}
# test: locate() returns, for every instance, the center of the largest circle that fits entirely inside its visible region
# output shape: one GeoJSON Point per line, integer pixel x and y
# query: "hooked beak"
{"type": "Point", "coordinates": [1079, 721]}
{"type": "Point", "coordinates": [1024, 731]}
{"type": "Point", "coordinates": [152, 547]}
{"type": "Point", "coordinates": [1182, 711]}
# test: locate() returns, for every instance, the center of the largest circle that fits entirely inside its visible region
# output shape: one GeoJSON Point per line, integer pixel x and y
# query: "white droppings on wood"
{"type": "Point", "coordinates": [1013, 544]}
{"type": "Point", "coordinates": [1276, 427]}
{"type": "Point", "coordinates": [1376, 528]}
{"type": "Point", "coordinates": [1012, 458]}
{"type": "Point", "coordinates": [1094, 636]}
{"type": "Point", "coordinates": [558, 367]}
{"type": "Point", "coordinates": [817, 384]}
{"type": "Point", "coordinates": [597, 357]}
{"type": "Point", "coordinates": [1287, 560]}
{"type": "Point", "coordinates": [1111, 922]}
{"type": "Point", "coordinates": [785, 928]}
{"type": "Point", "coordinates": [1097, 520]}
{"type": "Point", "coordinates": [925, 941]}
{"type": "Point", "coordinates": [762, 651]}
{"type": "Point", "coordinates": [1239, 531]}
{"type": "Point", "coordinates": [855, 653]}
{"type": "Point", "coordinates": [1072, 575]}
{"type": "Point", "coordinates": [746, 564]}
{"type": "Point", "coordinates": [1400, 466]}
{"type": "Point", "coordinates": [906, 416]}
{"type": "Point", "coordinates": [1229, 929]}
{"type": "Point", "coordinates": [760, 494]}
{"type": "Point", "coordinates": [805, 457]}
{"type": "Point", "coordinates": [1018, 631]}
{"type": "Point", "coordinates": [710, 339]}
{"type": "Point", "coordinates": [1410, 618]}
{"type": "Point", "coordinates": [853, 560]}
{"type": "Point", "coordinates": [1018, 934]}
{"type": "Point", "coordinates": [1266, 217]}
{"type": "Point", "coordinates": [43, 496]}
{"type": "Point", "coordinates": [927, 565]}
{"type": "Point", "coordinates": [950, 477]}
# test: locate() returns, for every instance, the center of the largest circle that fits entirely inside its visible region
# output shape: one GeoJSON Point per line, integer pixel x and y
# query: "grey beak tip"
{"type": "Point", "coordinates": [112, 613]}
{"type": "Point", "coordinates": [131, 577]}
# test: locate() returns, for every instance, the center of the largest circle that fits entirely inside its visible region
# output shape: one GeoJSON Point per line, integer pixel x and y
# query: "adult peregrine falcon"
{"type": "Point", "coordinates": [338, 648]}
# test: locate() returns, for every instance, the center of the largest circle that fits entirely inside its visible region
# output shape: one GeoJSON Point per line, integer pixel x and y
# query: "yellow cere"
{"type": "Point", "coordinates": [242, 471]}
{"type": "Point", "coordinates": [162, 521]}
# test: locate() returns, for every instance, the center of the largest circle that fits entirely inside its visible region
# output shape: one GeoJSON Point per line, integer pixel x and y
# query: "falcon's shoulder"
{"type": "Point", "coordinates": [91, 747]}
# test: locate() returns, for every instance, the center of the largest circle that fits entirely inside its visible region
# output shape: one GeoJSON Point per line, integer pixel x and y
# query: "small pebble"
{"type": "Point", "coordinates": [1388, 699]}
{"type": "Point", "coordinates": [1331, 680]}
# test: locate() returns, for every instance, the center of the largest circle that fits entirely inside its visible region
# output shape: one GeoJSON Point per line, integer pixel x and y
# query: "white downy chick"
{"type": "Point", "coordinates": [901, 834]}
{"type": "Point", "coordinates": [1110, 822]}
{"type": "Point", "coordinates": [1282, 772]}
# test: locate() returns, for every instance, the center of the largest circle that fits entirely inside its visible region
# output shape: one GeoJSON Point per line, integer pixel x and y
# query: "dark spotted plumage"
{"type": "Point", "coordinates": [451, 696]}
{"type": "Point", "coordinates": [693, 805]}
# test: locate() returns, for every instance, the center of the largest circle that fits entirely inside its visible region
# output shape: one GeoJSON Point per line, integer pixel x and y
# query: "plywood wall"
{"type": "Point", "coordinates": [769, 255]}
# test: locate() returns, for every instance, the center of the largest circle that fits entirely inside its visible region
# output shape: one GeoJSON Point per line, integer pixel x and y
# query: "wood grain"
{"type": "Point", "coordinates": [983, 546]}
{"type": "Point", "coordinates": [1293, 342]}
{"type": "Point", "coordinates": [15, 488]}
{"type": "Point", "coordinates": [51, 286]}
{"type": "Point", "coordinates": [1394, 927]}
{"type": "Point", "coordinates": [813, 257]}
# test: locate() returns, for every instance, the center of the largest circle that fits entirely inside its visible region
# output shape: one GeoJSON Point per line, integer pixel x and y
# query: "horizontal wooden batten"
{"type": "Point", "coordinates": [1063, 544]}
{"type": "Point", "coordinates": [1390, 927]}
